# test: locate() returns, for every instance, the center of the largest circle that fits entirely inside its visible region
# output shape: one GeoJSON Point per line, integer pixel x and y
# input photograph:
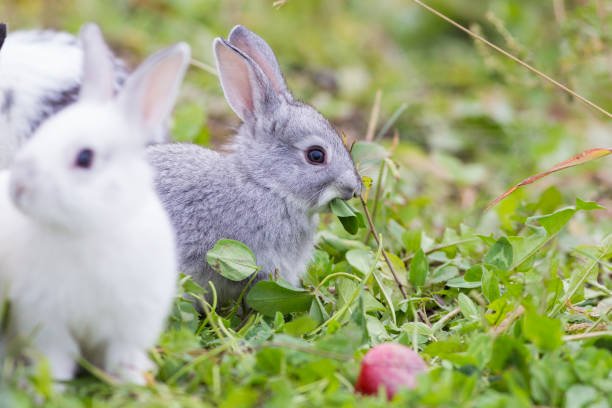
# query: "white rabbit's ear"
{"type": "Point", "coordinates": [259, 51]}
{"type": "Point", "coordinates": [98, 68]}
{"type": "Point", "coordinates": [247, 89]}
{"type": "Point", "coordinates": [2, 34]}
{"type": "Point", "coordinates": [150, 93]}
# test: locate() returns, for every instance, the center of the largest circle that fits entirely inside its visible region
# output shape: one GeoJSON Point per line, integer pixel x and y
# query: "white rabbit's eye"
{"type": "Point", "coordinates": [84, 158]}
{"type": "Point", "coordinates": [315, 155]}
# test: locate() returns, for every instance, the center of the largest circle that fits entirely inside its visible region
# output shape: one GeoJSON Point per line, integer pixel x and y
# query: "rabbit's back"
{"type": "Point", "coordinates": [208, 198]}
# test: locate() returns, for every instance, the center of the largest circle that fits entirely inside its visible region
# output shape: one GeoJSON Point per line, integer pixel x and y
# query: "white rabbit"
{"type": "Point", "coordinates": [40, 74]}
{"type": "Point", "coordinates": [285, 164]}
{"type": "Point", "coordinates": [87, 253]}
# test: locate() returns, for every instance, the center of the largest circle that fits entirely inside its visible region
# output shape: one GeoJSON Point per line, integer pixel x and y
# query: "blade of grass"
{"type": "Point", "coordinates": [391, 120]}
{"type": "Point", "coordinates": [577, 282]}
{"type": "Point", "coordinates": [377, 195]}
{"type": "Point", "coordinates": [202, 357]}
{"type": "Point", "coordinates": [204, 66]}
{"type": "Point", "coordinates": [97, 372]}
{"type": "Point", "coordinates": [385, 295]}
{"type": "Point", "coordinates": [374, 117]}
{"type": "Point", "coordinates": [335, 275]}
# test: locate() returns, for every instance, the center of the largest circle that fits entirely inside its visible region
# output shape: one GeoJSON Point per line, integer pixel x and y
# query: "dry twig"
{"type": "Point", "coordinates": [503, 326]}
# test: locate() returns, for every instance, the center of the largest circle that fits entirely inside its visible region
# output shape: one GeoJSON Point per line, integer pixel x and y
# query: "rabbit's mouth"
{"type": "Point", "coordinates": [331, 193]}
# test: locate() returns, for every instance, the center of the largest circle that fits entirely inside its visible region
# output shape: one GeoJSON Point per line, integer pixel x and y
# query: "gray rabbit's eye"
{"type": "Point", "coordinates": [315, 155]}
{"type": "Point", "coordinates": [84, 159]}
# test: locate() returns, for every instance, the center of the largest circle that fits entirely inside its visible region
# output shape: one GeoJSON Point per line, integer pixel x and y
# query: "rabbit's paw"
{"type": "Point", "coordinates": [128, 364]}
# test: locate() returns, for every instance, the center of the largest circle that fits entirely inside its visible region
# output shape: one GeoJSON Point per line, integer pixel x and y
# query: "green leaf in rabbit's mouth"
{"type": "Point", "coordinates": [348, 215]}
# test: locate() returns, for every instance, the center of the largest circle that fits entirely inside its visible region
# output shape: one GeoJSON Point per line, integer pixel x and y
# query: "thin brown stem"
{"type": "Point", "coordinates": [423, 316]}
{"type": "Point", "coordinates": [512, 316]}
{"type": "Point", "coordinates": [445, 319]}
{"type": "Point", "coordinates": [584, 336]}
{"type": "Point", "coordinates": [384, 254]}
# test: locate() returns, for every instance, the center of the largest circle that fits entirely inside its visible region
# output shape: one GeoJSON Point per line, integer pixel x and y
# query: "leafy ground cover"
{"type": "Point", "coordinates": [509, 307]}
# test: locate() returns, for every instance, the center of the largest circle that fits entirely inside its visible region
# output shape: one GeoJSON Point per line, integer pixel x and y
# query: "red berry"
{"type": "Point", "coordinates": [390, 365]}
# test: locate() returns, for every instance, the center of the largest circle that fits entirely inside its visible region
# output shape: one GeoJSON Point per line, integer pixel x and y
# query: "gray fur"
{"type": "Point", "coordinates": [262, 192]}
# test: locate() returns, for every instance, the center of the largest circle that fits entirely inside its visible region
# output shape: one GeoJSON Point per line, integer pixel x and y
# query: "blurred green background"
{"type": "Point", "coordinates": [471, 122]}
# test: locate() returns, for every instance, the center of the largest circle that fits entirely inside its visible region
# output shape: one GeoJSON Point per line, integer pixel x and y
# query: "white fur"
{"type": "Point", "coordinates": [87, 256]}
{"type": "Point", "coordinates": [105, 292]}
{"type": "Point", "coordinates": [32, 68]}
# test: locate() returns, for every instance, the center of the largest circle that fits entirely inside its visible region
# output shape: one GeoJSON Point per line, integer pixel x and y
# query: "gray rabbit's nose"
{"type": "Point", "coordinates": [352, 192]}
{"type": "Point", "coordinates": [357, 186]}
{"type": "Point", "coordinates": [350, 185]}
{"type": "Point", "coordinates": [347, 194]}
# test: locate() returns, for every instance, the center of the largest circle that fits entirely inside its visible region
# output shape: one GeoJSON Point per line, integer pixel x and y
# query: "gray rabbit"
{"type": "Point", "coordinates": [285, 164]}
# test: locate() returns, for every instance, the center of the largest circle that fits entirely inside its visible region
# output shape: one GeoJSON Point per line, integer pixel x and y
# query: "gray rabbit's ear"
{"type": "Point", "coordinates": [247, 89]}
{"type": "Point", "coordinates": [149, 94]}
{"type": "Point", "coordinates": [259, 51]}
{"type": "Point", "coordinates": [2, 34]}
{"type": "Point", "coordinates": [98, 81]}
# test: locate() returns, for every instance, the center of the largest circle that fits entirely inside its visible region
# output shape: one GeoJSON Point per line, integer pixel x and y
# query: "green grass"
{"type": "Point", "coordinates": [509, 307]}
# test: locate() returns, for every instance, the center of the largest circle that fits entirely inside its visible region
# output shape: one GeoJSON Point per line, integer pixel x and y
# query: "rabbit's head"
{"type": "Point", "coordinates": [85, 166]}
{"type": "Point", "coordinates": [283, 144]}
{"type": "Point", "coordinates": [2, 34]}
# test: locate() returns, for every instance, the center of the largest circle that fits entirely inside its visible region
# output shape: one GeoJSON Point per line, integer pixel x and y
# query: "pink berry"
{"type": "Point", "coordinates": [390, 365]}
